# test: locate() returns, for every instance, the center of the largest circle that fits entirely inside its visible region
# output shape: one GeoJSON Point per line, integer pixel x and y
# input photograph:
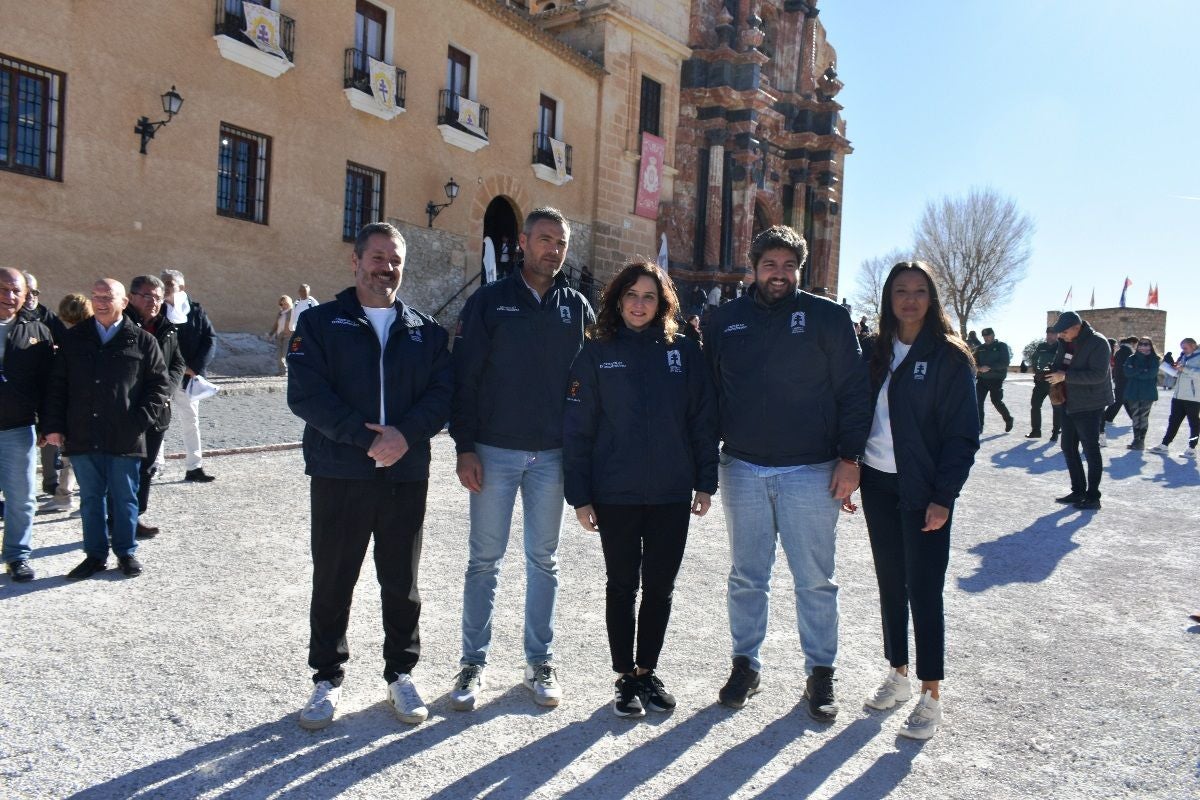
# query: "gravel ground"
{"type": "Point", "coordinates": [1072, 666]}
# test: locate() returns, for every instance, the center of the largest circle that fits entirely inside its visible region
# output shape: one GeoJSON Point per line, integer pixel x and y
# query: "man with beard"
{"type": "Point", "coordinates": [795, 414]}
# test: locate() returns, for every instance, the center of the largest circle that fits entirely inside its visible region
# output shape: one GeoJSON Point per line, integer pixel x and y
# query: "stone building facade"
{"type": "Point", "coordinates": [276, 153]}
{"type": "Point", "coordinates": [1121, 323]}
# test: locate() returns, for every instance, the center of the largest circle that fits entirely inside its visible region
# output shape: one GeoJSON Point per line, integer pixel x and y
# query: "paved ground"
{"type": "Point", "coordinates": [1073, 671]}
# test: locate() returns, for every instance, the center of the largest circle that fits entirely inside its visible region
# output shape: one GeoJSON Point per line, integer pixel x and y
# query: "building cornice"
{"type": "Point", "coordinates": [523, 25]}
{"type": "Point", "coordinates": [606, 11]}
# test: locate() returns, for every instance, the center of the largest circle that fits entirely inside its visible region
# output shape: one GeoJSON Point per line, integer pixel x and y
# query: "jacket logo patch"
{"type": "Point", "coordinates": [415, 335]}
{"type": "Point", "coordinates": [737, 326]}
{"type": "Point", "coordinates": [33, 340]}
{"type": "Point", "coordinates": [507, 308]}
{"type": "Point", "coordinates": [674, 361]}
{"type": "Point", "coordinates": [612, 365]}
{"type": "Point", "coordinates": [573, 392]}
{"type": "Point", "coordinates": [344, 321]}
{"type": "Point", "coordinates": [564, 313]}
{"type": "Point", "coordinates": [797, 322]}
{"type": "Point", "coordinates": [919, 370]}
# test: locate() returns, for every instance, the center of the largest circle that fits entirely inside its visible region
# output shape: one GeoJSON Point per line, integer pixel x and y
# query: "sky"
{"type": "Point", "coordinates": [1085, 112]}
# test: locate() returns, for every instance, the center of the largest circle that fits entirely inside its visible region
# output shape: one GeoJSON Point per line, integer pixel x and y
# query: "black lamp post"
{"type": "Point", "coordinates": [433, 209]}
{"type": "Point", "coordinates": [171, 103]}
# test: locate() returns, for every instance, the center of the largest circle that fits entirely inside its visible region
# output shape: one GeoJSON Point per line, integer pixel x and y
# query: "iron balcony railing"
{"type": "Point", "coordinates": [231, 22]}
{"type": "Point", "coordinates": [358, 74]}
{"type": "Point", "coordinates": [543, 153]}
{"type": "Point", "coordinates": [448, 112]}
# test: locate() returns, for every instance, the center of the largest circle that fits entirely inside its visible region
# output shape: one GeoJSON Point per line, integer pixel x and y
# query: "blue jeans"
{"type": "Point", "coordinates": [540, 478]}
{"type": "Point", "coordinates": [105, 479]}
{"type": "Point", "coordinates": [796, 509]}
{"type": "Point", "coordinates": [17, 470]}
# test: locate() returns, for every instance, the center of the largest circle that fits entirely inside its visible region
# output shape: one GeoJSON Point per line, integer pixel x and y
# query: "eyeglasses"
{"type": "Point", "coordinates": [153, 298]}
{"type": "Point", "coordinates": [34, 293]}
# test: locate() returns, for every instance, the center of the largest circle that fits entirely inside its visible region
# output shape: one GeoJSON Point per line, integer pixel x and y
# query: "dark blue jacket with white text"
{"type": "Point", "coordinates": [791, 382]}
{"type": "Point", "coordinates": [640, 425]}
{"type": "Point", "coordinates": [334, 379]}
{"type": "Point", "coordinates": [512, 356]}
{"type": "Point", "coordinates": [934, 420]}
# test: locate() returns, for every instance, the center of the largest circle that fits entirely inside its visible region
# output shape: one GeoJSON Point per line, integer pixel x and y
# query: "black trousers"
{"type": "Point", "coordinates": [1118, 403]}
{"type": "Point", "coordinates": [345, 515]}
{"type": "Point", "coordinates": [1041, 390]}
{"type": "Point", "coordinates": [1181, 409]}
{"type": "Point", "coordinates": [910, 567]}
{"type": "Point", "coordinates": [154, 440]}
{"type": "Point", "coordinates": [641, 544]}
{"type": "Point", "coordinates": [996, 389]}
{"type": "Point", "coordinates": [1082, 430]}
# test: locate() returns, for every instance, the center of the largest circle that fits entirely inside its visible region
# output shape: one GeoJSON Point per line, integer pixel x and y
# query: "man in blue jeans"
{"type": "Point", "coordinates": [513, 350]}
{"type": "Point", "coordinates": [795, 414]}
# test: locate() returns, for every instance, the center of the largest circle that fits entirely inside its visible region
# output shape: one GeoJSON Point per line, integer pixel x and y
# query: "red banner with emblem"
{"type": "Point", "coordinates": [650, 175]}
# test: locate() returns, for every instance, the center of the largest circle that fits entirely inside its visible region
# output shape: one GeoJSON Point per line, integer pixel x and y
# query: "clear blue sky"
{"type": "Point", "coordinates": [1087, 114]}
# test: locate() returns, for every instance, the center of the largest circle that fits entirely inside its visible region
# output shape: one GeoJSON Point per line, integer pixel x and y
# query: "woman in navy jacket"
{"type": "Point", "coordinates": [639, 456]}
{"type": "Point", "coordinates": [923, 439]}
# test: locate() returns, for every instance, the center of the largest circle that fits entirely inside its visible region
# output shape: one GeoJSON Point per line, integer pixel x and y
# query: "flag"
{"type": "Point", "coordinates": [1152, 297]}
{"type": "Point", "coordinates": [262, 28]}
{"type": "Point", "coordinates": [559, 149]}
{"type": "Point", "coordinates": [1124, 289]}
{"type": "Point", "coordinates": [1067, 299]}
{"type": "Point", "coordinates": [662, 254]}
{"type": "Point", "coordinates": [1093, 303]}
{"type": "Point", "coordinates": [468, 116]}
{"type": "Point", "coordinates": [383, 83]}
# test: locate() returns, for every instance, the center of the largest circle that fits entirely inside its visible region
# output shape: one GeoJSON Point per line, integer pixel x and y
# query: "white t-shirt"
{"type": "Point", "coordinates": [299, 307]}
{"type": "Point", "coordinates": [381, 320]}
{"type": "Point", "coordinates": [880, 453]}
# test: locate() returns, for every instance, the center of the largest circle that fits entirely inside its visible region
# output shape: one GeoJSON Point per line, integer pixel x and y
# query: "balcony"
{"type": "Point", "coordinates": [233, 43]}
{"type": "Point", "coordinates": [454, 130]}
{"type": "Point", "coordinates": [357, 83]}
{"type": "Point", "coordinates": [543, 160]}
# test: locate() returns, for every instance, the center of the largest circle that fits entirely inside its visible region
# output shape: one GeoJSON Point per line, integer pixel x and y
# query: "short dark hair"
{"type": "Point", "coordinates": [143, 280]}
{"type": "Point", "coordinates": [1130, 340]}
{"type": "Point", "coordinates": [778, 237]}
{"type": "Point", "coordinates": [987, 332]}
{"type": "Point", "coordinates": [548, 213]}
{"type": "Point", "coordinates": [1050, 329]}
{"type": "Point", "coordinates": [369, 230]}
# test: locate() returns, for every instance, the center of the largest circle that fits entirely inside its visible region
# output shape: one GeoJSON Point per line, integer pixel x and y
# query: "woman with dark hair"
{"type": "Point", "coordinates": [639, 456]}
{"type": "Point", "coordinates": [1141, 388]}
{"type": "Point", "coordinates": [921, 447]}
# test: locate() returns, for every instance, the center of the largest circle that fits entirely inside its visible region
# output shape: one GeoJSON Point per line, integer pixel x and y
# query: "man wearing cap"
{"type": "Point", "coordinates": [993, 358]}
{"type": "Point", "coordinates": [1082, 366]}
{"type": "Point", "coordinates": [1041, 362]}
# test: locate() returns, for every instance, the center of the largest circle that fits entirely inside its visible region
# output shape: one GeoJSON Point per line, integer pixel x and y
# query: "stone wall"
{"type": "Point", "coordinates": [434, 267]}
{"type": "Point", "coordinates": [1118, 323]}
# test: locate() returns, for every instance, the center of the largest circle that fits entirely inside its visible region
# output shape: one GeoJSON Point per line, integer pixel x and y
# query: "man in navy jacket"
{"type": "Point", "coordinates": [371, 378]}
{"type": "Point", "coordinates": [795, 414]}
{"type": "Point", "coordinates": [513, 351]}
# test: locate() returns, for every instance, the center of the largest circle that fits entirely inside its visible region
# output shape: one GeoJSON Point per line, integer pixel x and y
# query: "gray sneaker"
{"type": "Point", "coordinates": [894, 689]}
{"type": "Point", "coordinates": [404, 699]}
{"type": "Point", "coordinates": [467, 686]}
{"type": "Point", "coordinates": [322, 706]}
{"type": "Point", "coordinates": [542, 680]}
{"type": "Point", "coordinates": [924, 720]}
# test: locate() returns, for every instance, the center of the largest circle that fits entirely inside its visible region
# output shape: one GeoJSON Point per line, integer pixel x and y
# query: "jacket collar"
{"type": "Point", "coordinates": [348, 300]}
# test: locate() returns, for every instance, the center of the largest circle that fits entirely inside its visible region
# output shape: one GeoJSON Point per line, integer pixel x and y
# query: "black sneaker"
{"type": "Point", "coordinates": [819, 692]}
{"type": "Point", "coordinates": [1092, 504]}
{"type": "Point", "coordinates": [742, 684]}
{"type": "Point", "coordinates": [1053, 438]}
{"type": "Point", "coordinates": [198, 475]}
{"type": "Point", "coordinates": [1008, 424]}
{"type": "Point", "coordinates": [1033, 435]}
{"type": "Point", "coordinates": [1070, 499]}
{"type": "Point", "coordinates": [627, 697]}
{"type": "Point", "coordinates": [20, 571]}
{"type": "Point", "coordinates": [87, 568]}
{"type": "Point", "coordinates": [130, 566]}
{"type": "Point", "coordinates": [655, 695]}
{"type": "Point", "coordinates": [146, 531]}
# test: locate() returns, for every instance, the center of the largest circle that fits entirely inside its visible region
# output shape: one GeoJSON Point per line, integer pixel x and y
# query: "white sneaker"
{"type": "Point", "coordinates": [322, 706]}
{"type": "Point", "coordinates": [1161, 449]}
{"type": "Point", "coordinates": [924, 720]}
{"type": "Point", "coordinates": [55, 506]}
{"type": "Point", "coordinates": [467, 686]}
{"type": "Point", "coordinates": [894, 689]}
{"type": "Point", "coordinates": [542, 680]}
{"type": "Point", "coordinates": [404, 699]}
{"type": "Point", "coordinates": [1103, 439]}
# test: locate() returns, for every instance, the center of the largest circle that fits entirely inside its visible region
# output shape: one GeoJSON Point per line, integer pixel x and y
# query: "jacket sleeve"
{"type": "Point", "coordinates": [581, 417]}
{"type": "Point", "coordinates": [55, 405]}
{"type": "Point", "coordinates": [1090, 367]}
{"type": "Point", "coordinates": [851, 387]}
{"type": "Point", "coordinates": [205, 343]}
{"type": "Point", "coordinates": [958, 430]}
{"type": "Point", "coordinates": [429, 413]}
{"type": "Point", "coordinates": [311, 396]}
{"type": "Point", "coordinates": [176, 365]}
{"type": "Point", "coordinates": [471, 345]}
{"type": "Point", "coordinates": [47, 356]}
{"type": "Point", "coordinates": [710, 333]}
{"type": "Point", "coordinates": [156, 388]}
{"type": "Point", "coordinates": [702, 423]}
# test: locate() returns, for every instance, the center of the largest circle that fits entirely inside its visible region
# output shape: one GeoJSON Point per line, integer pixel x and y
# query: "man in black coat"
{"type": "Point", "coordinates": [1124, 351]}
{"type": "Point", "coordinates": [197, 342]}
{"type": "Point", "coordinates": [108, 386]}
{"type": "Point", "coordinates": [36, 310]}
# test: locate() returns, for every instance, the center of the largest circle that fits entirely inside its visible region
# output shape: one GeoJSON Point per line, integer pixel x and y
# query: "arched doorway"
{"type": "Point", "coordinates": [500, 223]}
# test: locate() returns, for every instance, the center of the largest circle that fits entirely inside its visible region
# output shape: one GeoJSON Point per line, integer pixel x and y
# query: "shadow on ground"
{"type": "Point", "coordinates": [1028, 556]}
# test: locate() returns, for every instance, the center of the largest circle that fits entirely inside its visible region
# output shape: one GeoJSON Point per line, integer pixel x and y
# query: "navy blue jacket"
{"type": "Point", "coordinates": [935, 422]}
{"type": "Point", "coordinates": [790, 378]}
{"type": "Point", "coordinates": [640, 425]}
{"type": "Point", "coordinates": [25, 374]}
{"type": "Point", "coordinates": [333, 385]}
{"type": "Point", "coordinates": [197, 340]}
{"type": "Point", "coordinates": [512, 357]}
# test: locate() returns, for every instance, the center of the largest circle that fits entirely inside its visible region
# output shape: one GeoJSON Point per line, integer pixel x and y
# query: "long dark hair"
{"type": "Point", "coordinates": [608, 321]}
{"type": "Point", "coordinates": [936, 322]}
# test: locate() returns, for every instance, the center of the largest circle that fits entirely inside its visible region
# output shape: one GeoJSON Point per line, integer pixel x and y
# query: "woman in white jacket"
{"type": "Point", "coordinates": [1186, 402]}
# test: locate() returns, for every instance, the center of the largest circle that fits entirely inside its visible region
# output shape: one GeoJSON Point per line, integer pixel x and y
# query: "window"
{"type": "Point", "coordinates": [31, 114]}
{"type": "Point", "coordinates": [370, 22]}
{"type": "Point", "coordinates": [364, 199]}
{"type": "Point", "coordinates": [243, 174]}
{"type": "Point", "coordinates": [651, 101]}
{"type": "Point", "coordinates": [458, 72]}
{"type": "Point", "coordinates": [548, 116]}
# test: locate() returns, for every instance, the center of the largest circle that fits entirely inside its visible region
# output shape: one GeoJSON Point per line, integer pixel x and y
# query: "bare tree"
{"type": "Point", "coordinates": [978, 247]}
{"type": "Point", "coordinates": [869, 286]}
